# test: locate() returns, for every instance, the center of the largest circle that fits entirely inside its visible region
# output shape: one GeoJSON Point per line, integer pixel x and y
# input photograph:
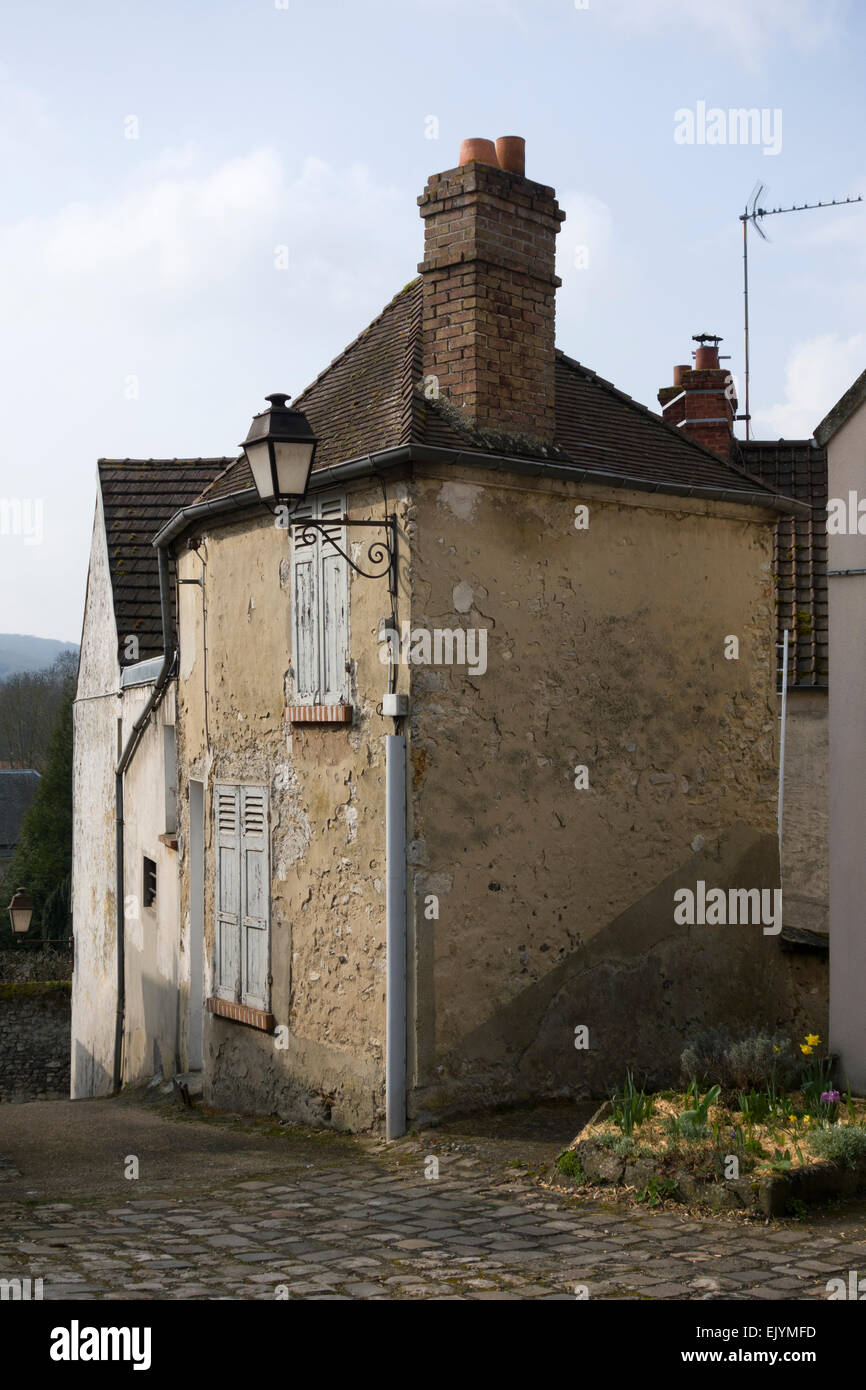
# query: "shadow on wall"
{"type": "Point", "coordinates": [641, 987]}
{"type": "Point", "coordinates": [89, 1077]}
{"type": "Point", "coordinates": [152, 1042]}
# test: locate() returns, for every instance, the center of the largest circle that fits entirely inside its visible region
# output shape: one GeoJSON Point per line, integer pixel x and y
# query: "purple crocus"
{"type": "Point", "coordinates": [830, 1097]}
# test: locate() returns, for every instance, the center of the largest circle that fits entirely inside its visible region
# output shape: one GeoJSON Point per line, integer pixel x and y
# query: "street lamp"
{"type": "Point", "coordinates": [279, 449]}
{"type": "Point", "coordinates": [21, 910]}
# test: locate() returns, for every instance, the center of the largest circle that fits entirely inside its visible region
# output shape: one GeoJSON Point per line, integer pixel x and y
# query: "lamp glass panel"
{"type": "Point", "coordinates": [293, 466]}
{"type": "Point", "coordinates": [259, 460]}
{"type": "Point", "coordinates": [20, 918]}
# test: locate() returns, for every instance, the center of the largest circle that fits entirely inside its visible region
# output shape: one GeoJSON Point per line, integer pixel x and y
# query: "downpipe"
{"type": "Point", "coordinates": [395, 912]}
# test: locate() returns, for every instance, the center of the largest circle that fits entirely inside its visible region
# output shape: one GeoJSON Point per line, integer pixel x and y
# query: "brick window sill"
{"type": "Point", "coordinates": [319, 714]}
{"type": "Point", "coordinates": [241, 1013]}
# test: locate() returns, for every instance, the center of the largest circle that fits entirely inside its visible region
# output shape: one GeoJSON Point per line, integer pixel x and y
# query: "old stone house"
{"type": "Point", "coordinates": [583, 628]}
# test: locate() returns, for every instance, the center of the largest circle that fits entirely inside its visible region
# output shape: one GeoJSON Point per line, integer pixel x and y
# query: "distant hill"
{"type": "Point", "coordinates": [19, 653]}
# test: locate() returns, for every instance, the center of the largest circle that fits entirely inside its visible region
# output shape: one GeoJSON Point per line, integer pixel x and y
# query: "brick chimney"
{"type": "Point", "coordinates": [701, 401]}
{"type": "Point", "coordinates": [489, 289]}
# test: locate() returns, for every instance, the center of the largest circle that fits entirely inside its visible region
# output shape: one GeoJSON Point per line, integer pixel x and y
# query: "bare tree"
{"type": "Point", "coordinates": [29, 705]}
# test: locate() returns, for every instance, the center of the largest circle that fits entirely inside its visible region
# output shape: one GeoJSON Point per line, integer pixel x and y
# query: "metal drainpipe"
{"type": "Point", "coordinates": [395, 1006]}
{"type": "Point", "coordinates": [135, 735]}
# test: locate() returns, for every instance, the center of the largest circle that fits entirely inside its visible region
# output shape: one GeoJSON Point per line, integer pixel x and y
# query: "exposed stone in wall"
{"type": "Point", "coordinates": [35, 1023]}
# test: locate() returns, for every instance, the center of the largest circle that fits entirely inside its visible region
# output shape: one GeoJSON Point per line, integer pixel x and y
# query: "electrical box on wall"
{"type": "Point", "coordinates": [395, 704]}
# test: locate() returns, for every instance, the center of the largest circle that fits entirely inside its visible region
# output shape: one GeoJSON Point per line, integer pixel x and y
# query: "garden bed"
{"type": "Point", "coordinates": [773, 1149]}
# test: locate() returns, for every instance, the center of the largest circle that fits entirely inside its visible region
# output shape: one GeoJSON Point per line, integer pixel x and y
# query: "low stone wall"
{"type": "Point", "coordinates": [35, 1030]}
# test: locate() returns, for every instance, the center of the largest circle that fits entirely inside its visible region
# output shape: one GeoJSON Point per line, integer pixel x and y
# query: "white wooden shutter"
{"type": "Point", "coordinates": [320, 603]}
{"type": "Point", "coordinates": [333, 605]}
{"type": "Point", "coordinates": [305, 641]}
{"type": "Point", "coordinates": [228, 892]}
{"type": "Point", "coordinates": [255, 880]}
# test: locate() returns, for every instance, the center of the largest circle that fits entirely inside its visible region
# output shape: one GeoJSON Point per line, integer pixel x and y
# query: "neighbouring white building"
{"type": "Point", "coordinates": [843, 434]}
{"type": "Point", "coordinates": [121, 658]}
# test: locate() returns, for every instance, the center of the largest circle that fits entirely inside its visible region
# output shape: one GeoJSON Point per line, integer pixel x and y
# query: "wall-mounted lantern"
{"type": "Point", "coordinates": [21, 911]}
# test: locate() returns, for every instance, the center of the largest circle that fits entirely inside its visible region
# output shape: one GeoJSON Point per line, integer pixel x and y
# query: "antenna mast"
{"type": "Point", "coordinates": [753, 214]}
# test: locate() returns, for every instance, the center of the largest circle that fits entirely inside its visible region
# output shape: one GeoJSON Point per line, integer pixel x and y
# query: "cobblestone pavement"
{"type": "Point", "coordinates": [352, 1219]}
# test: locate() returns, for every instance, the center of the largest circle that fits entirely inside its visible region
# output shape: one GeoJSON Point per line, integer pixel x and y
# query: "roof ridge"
{"type": "Point", "coordinates": [166, 462]}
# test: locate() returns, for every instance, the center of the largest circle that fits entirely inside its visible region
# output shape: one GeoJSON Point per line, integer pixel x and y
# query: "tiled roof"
{"type": "Point", "coordinates": [798, 468]}
{"type": "Point", "coordinates": [842, 411]}
{"type": "Point", "coordinates": [17, 790]}
{"type": "Point", "coordinates": [139, 496]}
{"type": "Point", "coordinates": [369, 400]}
{"type": "Point", "coordinates": [364, 401]}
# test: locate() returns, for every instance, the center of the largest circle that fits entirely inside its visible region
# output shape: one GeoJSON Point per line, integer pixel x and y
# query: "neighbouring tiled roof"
{"type": "Point", "coordinates": [369, 400]}
{"type": "Point", "coordinates": [139, 496]}
{"type": "Point", "coordinates": [798, 468]}
{"type": "Point", "coordinates": [17, 790]}
{"type": "Point", "coordinates": [842, 411]}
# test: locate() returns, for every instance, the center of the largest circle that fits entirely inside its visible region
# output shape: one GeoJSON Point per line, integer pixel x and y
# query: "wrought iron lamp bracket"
{"type": "Point", "coordinates": [380, 553]}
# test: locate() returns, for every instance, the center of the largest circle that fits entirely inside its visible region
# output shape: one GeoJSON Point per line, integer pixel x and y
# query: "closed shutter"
{"type": "Point", "coordinates": [305, 612]}
{"type": "Point", "coordinates": [333, 606]}
{"type": "Point", "coordinates": [320, 603]}
{"type": "Point", "coordinates": [256, 893]}
{"type": "Point", "coordinates": [228, 892]}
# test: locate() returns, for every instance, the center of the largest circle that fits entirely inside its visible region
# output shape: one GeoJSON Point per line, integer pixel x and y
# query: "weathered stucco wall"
{"type": "Point", "coordinates": [155, 957]}
{"type": "Point", "coordinates": [326, 795]}
{"type": "Point", "coordinates": [606, 648]}
{"type": "Point", "coordinates": [806, 812]}
{"type": "Point", "coordinates": [96, 713]}
{"type": "Point", "coordinates": [846, 453]}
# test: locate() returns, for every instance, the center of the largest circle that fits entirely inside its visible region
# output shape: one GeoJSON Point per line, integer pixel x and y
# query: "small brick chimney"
{"type": "Point", "coordinates": [701, 401]}
{"type": "Point", "coordinates": [489, 288]}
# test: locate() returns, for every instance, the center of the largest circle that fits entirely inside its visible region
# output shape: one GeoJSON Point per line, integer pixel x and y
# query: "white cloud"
{"type": "Point", "coordinates": [169, 231]}
{"type": "Point", "coordinates": [818, 372]}
{"type": "Point", "coordinates": [171, 281]}
{"type": "Point", "coordinates": [747, 26]}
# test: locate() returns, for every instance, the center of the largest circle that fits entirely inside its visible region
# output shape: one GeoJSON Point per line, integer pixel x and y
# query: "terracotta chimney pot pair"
{"type": "Point", "coordinates": [509, 153]}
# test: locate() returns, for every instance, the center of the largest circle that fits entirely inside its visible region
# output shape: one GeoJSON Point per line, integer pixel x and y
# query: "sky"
{"type": "Point", "coordinates": [205, 202]}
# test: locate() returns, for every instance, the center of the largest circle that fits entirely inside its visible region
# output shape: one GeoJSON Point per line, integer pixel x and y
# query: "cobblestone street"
{"type": "Point", "coordinates": [243, 1210]}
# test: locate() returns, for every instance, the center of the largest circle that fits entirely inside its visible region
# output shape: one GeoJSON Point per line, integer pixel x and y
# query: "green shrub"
{"type": "Point", "coordinates": [842, 1144]}
{"type": "Point", "coordinates": [754, 1062]}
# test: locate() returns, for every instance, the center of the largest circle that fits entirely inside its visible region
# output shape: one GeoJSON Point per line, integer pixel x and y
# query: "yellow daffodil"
{"type": "Point", "coordinates": [807, 1119]}
{"type": "Point", "coordinates": [793, 1119]}
{"type": "Point", "coordinates": [804, 1048]}
{"type": "Point", "coordinates": [812, 1039]}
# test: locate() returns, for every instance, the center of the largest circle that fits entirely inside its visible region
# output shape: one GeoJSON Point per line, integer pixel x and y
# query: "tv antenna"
{"type": "Point", "coordinates": [755, 214]}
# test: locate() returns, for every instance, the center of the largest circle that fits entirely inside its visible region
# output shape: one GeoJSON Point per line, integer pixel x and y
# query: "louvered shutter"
{"type": "Point", "coordinates": [228, 892]}
{"type": "Point", "coordinates": [333, 605]}
{"type": "Point", "coordinates": [320, 603]}
{"type": "Point", "coordinates": [305, 638]}
{"type": "Point", "coordinates": [255, 879]}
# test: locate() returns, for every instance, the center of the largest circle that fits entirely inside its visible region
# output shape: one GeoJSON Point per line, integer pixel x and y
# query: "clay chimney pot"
{"type": "Point", "coordinates": [511, 153]}
{"type": "Point", "coordinates": [483, 151]}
